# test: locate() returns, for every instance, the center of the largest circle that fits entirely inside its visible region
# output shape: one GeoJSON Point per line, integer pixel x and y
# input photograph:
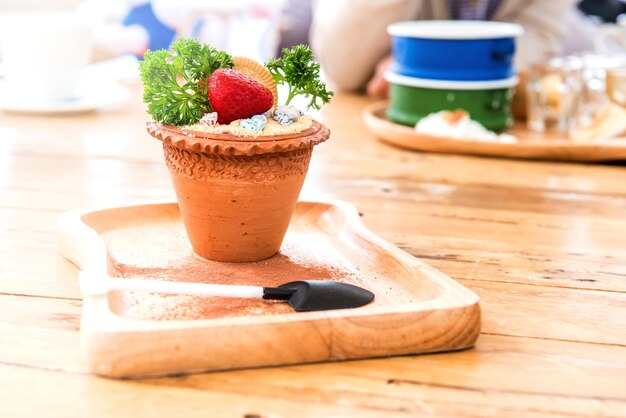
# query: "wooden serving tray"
{"type": "Point", "coordinates": [530, 145]}
{"type": "Point", "coordinates": [417, 309]}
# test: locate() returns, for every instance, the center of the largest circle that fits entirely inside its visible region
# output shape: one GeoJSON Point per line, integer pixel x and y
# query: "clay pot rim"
{"type": "Point", "coordinates": [213, 143]}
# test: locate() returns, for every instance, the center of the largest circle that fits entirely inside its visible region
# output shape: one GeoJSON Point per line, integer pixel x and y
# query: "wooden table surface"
{"type": "Point", "coordinates": [542, 244]}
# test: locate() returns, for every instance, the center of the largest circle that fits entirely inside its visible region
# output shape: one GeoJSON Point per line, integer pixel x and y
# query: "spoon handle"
{"type": "Point", "coordinates": [98, 284]}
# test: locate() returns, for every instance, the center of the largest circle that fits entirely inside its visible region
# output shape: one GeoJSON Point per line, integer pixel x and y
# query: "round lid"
{"type": "Point", "coordinates": [455, 29]}
{"type": "Point", "coordinates": [445, 84]}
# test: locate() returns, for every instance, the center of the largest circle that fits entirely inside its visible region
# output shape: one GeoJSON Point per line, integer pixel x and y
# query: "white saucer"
{"type": "Point", "coordinates": [89, 98]}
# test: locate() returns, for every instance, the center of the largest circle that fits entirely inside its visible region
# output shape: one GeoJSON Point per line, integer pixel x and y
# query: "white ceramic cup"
{"type": "Point", "coordinates": [43, 54]}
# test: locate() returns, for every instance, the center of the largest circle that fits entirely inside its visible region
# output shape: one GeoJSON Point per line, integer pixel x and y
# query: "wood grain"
{"type": "Point", "coordinates": [403, 385]}
{"type": "Point", "coordinates": [552, 284]}
{"type": "Point", "coordinates": [416, 310]}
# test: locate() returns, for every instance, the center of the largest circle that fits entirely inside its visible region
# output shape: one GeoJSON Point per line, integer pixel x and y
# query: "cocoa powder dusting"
{"type": "Point", "coordinates": [162, 252]}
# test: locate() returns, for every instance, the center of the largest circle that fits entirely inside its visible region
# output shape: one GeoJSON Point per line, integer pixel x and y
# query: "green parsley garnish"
{"type": "Point", "coordinates": [171, 80]}
{"type": "Point", "coordinates": [301, 74]}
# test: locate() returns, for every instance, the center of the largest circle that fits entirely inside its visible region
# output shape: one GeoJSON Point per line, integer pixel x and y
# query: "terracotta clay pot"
{"type": "Point", "coordinates": [237, 194]}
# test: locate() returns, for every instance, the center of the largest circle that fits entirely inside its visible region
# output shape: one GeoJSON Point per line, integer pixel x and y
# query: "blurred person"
{"type": "Point", "coordinates": [606, 10]}
{"type": "Point", "coordinates": [124, 27]}
{"type": "Point", "coordinates": [296, 18]}
{"type": "Point", "coordinates": [349, 37]}
{"type": "Point", "coordinates": [588, 21]}
{"type": "Point", "coordinates": [581, 30]}
{"type": "Point", "coordinates": [240, 27]}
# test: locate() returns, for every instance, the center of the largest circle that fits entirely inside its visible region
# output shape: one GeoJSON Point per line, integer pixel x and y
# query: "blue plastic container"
{"type": "Point", "coordinates": [454, 50]}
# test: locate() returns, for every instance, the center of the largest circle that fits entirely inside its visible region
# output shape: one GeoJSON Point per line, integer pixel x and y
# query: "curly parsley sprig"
{"type": "Point", "coordinates": [300, 73]}
{"type": "Point", "coordinates": [172, 88]}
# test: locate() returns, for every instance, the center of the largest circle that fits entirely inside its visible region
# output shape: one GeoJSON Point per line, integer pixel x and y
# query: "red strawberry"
{"type": "Point", "coordinates": [236, 96]}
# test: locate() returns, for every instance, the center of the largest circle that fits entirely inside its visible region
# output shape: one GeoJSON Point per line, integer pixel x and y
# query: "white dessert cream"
{"type": "Point", "coordinates": [272, 128]}
{"type": "Point", "coordinates": [458, 125]}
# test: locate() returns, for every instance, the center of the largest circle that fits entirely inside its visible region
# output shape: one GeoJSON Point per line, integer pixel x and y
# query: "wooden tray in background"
{"type": "Point", "coordinates": [417, 309]}
{"type": "Point", "coordinates": [530, 145]}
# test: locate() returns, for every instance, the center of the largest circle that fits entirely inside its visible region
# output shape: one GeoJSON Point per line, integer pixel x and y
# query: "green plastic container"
{"type": "Point", "coordinates": [487, 102]}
